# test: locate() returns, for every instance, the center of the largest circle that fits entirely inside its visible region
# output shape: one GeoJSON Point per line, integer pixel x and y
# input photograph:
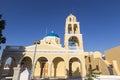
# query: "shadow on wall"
{"type": "Point", "coordinates": [74, 74]}
{"type": "Point", "coordinates": [58, 65]}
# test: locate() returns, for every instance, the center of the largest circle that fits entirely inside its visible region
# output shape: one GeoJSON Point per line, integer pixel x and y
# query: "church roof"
{"type": "Point", "coordinates": [52, 34]}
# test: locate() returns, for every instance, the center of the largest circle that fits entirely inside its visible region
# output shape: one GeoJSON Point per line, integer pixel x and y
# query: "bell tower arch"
{"type": "Point", "coordinates": [72, 38]}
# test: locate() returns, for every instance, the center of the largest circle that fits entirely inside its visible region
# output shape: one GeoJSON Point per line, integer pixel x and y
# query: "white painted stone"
{"type": "Point", "coordinates": [24, 75]}
{"type": "Point", "coordinates": [107, 77]}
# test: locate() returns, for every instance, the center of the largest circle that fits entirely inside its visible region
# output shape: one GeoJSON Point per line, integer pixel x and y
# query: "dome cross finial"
{"type": "Point", "coordinates": [52, 31]}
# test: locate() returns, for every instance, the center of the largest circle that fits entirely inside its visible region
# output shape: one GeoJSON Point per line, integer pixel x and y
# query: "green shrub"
{"type": "Point", "coordinates": [90, 78]}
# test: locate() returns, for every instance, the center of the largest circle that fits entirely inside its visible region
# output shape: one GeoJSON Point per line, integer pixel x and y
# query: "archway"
{"type": "Point", "coordinates": [74, 68]}
{"type": "Point", "coordinates": [73, 43]}
{"type": "Point", "coordinates": [41, 68]}
{"type": "Point", "coordinates": [26, 63]}
{"type": "Point", "coordinates": [8, 66]}
{"type": "Point", "coordinates": [58, 68]}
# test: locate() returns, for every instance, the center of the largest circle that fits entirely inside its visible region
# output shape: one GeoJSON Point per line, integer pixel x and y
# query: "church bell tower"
{"type": "Point", "coordinates": [72, 38]}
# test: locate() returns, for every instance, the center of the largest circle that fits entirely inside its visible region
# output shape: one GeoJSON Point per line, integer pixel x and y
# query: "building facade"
{"type": "Point", "coordinates": [112, 58]}
{"type": "Point", "coordinates": [49, 59]}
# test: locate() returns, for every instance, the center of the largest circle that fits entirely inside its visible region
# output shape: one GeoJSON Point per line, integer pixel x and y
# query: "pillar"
{"type": "Point", "coordinates": [67, 69]}
{"type": "Point", "coordinates": [83, 68]}
{"type": "Point", "coordinates": [72, 28]}
{"type": "Point", "coordinates": [16, 74]}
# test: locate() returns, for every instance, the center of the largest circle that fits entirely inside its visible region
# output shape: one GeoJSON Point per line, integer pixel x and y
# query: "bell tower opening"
{"type": "Point", "coordinates": [72, 38]}
{"type": "Point", "coordinates": [76, 30]}
{"type": "Point", "coordinates": [69, 29]}
{"type": "Point", "coordinates": [73, 43]}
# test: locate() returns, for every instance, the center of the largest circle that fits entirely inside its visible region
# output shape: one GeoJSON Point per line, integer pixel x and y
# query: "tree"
{"type": "Point", "coordinates": [2, 27]}
{"type": "Point", "coordinates": [91, 73]}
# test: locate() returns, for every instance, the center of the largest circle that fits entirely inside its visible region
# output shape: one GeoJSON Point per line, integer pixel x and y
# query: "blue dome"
{"type": "Point", "coordinates": [52, 34]}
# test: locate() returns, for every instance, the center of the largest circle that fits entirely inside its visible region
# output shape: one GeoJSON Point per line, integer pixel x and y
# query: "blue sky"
{"type": "Point", "coordinates": [27, 20]}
